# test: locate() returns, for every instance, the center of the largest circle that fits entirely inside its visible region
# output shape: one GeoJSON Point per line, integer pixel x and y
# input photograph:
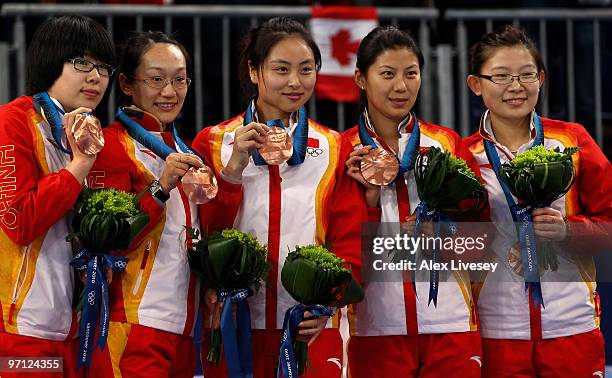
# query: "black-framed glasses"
{"type": "Point", "coordinates": [84, 65]}
{"type": "Point", "coordinates": [505, 79]}
{"type": "Point", "coordinates": [158, 82]}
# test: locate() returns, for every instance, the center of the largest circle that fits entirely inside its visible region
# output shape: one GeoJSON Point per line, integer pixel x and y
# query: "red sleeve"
{"type": "Point", "coordinates": [592, 226]}
{"type": "Point", "coordinates": [147, 204]}
{"type": "Point", "coordinates": [115, 169]}
{"type": "Point", "coordinates": [347, 213]}
{"type": "Point", "coordinates": [221, 212]}
{"type": "Point", "coordinates": [374, 214]}
{"type": "Point", "coordinates": [463, 152]}
{"type": "Point", "coordinates": [29, 203]}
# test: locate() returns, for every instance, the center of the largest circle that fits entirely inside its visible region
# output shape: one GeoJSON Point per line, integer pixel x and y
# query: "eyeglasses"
{"type": "Point", "coordinates": [505, 79]}
{"type": "Point", "coordinates": [158, 82]}
{"type": "Point", "coordinates": [85, 65]}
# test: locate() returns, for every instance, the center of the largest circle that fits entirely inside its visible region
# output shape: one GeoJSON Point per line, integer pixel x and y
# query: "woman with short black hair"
{"type": "Point", "coordinates": [69, 65]}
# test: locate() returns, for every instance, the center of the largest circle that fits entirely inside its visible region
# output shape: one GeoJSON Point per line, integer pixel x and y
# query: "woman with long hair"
{"type": "Point", "coordinates": [283, 204]}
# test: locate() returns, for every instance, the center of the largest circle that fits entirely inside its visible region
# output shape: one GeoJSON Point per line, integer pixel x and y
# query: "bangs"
{"type": "Point", "coordinates": [62, 38]}
{"type": "Point", "coordinates": [85, 38]}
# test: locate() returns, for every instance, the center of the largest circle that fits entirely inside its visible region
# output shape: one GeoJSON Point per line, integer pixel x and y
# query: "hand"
{"type": "Point", "coordinates": [81, 163]}
{"type": "Point", "coordinates": [409, 226]}
{"type": "Point", "coordinates": [175, 167]}
{"type": "Point", "coordinates": [372, 192]}
{"type": "Point", "coordinates": [311, 329]}
{"type": "Point", "coordinates": [549, 223]}
{"type": "Point", "coordinates": [246, 140]}
{"type": "Point", "coordinates": [210, 298]}
{"type": "Point", "coordinates": [109, 275]}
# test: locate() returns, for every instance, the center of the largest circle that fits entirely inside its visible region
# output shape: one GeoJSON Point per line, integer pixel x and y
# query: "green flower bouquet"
{"type": "Point", "coordinates": [443, 181]}
{"type": "Point", "coordinates": [446, 185]}
{"type": "Point", "coordinates": [320, 281]}
{"type": "Point", "coordinates": [538, 177]}
{"type": "Point", "coordinates": [105, 221]}
{"type": "Point", "coordinates": [233, 263]}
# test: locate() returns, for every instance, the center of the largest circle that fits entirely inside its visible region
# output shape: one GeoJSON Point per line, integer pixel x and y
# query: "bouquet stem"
{"type": "Point", "coordinates": [300, 349]}
{"type": "Point", "coordinates": [547, 259]}
{"type": "Point", "coordinates": [214, 350]}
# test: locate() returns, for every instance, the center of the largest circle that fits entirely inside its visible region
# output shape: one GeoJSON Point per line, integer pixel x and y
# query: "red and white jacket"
{"type": "Point", "coordinates": [390, 307]}
{"type": "Point", "coordinates": [157, 289]}
{"type": "Point", "coordinates": [36, 196]}
{"type": "Point", "coordinates": [284, 206]}
{"type": "Point", "coordinates": [570, 298]}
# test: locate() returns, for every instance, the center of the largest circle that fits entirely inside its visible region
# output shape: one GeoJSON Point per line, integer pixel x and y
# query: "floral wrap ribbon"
{"type": "Point", "coordinates": [425, 213]}
{"type": "Point", "coordinates": [96, 294]}
{"type": "Point", "coordinates": [237, 338]}
{"type": "Point", "coordinates": [287, 366]}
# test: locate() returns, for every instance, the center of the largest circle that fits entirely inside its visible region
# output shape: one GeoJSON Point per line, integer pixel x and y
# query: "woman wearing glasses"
{"type": "Point", "coordinates": [154, 302]}
{"type": "Point", "coordinates": [68, 69]}
{"type": "Point", "coordinates": [560, 338]}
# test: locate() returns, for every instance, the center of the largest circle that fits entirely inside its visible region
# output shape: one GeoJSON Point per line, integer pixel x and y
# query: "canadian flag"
{"type": "Point", "coordinates": [338, 31]}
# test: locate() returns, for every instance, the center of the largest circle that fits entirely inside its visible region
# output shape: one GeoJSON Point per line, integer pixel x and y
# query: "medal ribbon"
{"type": "Point", "coordinates": [521, 215]}
{"type": "Point", "coordinates": [287, 366]}
{"type": "Point", "coordinates": [237, 338]}
{"type": "Point", "coordinates": [158, 147]}
{"type": "Point", "coordinates": [410, 151]}
{"type": "Point", "coordinates": [96, 294]}
{"type": "Point", "coordinates": [300, 136]}
{"type": "Point", "coordinates": [53, 115]}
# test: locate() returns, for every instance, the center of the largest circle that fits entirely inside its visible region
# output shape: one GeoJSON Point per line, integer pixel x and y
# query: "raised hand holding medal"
{"type": "Point", "coordinates": [200, 185]}
{"type": "Point", "coordinates": [379, 166]}
{"type": "Point", "coordinates": [87, 133]}
{"type": "Point", "coordinates": [278, 147]}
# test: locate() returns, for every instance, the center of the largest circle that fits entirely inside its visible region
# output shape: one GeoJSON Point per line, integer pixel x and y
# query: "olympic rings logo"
{"type": "Point", "coordinates": [91, 296]}
{"type": "Point", "coordinates": [120, 264]}
{"type": "Point", "coordinates": [314, 152]}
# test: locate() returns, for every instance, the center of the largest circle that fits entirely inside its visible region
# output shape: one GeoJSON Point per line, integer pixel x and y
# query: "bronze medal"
{"type": "Point", "coordinates": [200, 185]}
{"type": "Point", "coordinates": [278, 148]}
{"type": "Point", "coordinates": [88, 134]}
{"type": "Point", "coordinates": [379, 167]}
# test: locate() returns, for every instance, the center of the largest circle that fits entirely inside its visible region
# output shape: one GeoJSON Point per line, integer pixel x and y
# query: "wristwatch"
{"type": "Point", "coordinates": [156, 191]}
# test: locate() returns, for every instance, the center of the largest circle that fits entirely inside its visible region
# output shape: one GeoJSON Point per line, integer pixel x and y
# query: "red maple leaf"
{"type": "Point", "coordinates": [342, 47]}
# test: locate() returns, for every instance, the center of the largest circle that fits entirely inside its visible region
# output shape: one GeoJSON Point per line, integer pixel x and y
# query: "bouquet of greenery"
{"type": "Point", "coordinates": [319, 280]}
{"type": "Point", "coordinates": [538, 177]}
{"type": "Point", "coordinates": [105, 220]}
{"type": "Point", "coordinates": [436, 171]}
{"type": "Point", "coordinates": [446, 185]}
{"type": "Point", "coordinates": [234, 264]}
